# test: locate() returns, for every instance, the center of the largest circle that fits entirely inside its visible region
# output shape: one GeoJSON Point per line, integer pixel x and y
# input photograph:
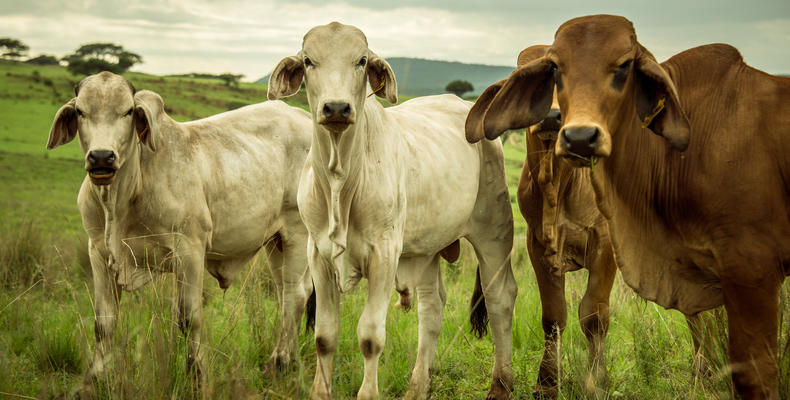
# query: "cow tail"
{"type": "Point", "coordinates": [478, 314]}
{"type": "Point", "coordinates": [309, 323]}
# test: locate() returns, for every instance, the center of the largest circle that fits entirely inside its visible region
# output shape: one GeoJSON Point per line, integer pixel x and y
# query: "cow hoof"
{"type": "Point", "coordinates": [418, 391]}
{"type": "Point", "coordinates": [498, 391]}
{"type": "Point", "coordinates": [277, 362]}
{"type": "Point", "coordinates": [544, 392]}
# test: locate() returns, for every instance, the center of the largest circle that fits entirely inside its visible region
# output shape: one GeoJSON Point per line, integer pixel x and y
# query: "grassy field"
{"type": "Point", "coordinates": [46, 317]}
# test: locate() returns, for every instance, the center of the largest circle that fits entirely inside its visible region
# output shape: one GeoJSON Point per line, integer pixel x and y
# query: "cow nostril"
{"type": "Point", "coordinates": [327, 110]}
{"type": "Point", "coordinates": [347, 111]}
{"type": "Point", "coordinates": [594, 137]}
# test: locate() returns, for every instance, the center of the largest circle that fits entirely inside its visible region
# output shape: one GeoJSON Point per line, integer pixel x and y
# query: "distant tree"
{"type": "Point", "coordinates": [12, 49]}
{"type": "Point", "coordinates": [459, 87]}
{"type": "Point", "coordinates": [96, 57]}
{"type": "Point", "coordinates": [230, 79]}
{"type": "Point", "coordinates": [43, 59]}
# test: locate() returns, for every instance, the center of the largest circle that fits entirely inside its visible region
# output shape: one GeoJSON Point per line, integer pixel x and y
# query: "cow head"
{"type": "Point", "coordinates": [110, 121]}
{"type": "Point", "coordinates": [337, 66]}
{"type": "Point", "coordinates": [545, 128]}
{"type": "Point", "coordinates": [605, 83]}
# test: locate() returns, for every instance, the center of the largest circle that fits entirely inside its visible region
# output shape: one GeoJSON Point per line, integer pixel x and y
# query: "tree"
{"type": "Point", "coordinates": [96, 57]}
{"type": "Point", "coordinates": [459, 87]}
{"type": "Point", "coordinates": [12, 49]}
{"type": "Point", "coordinates": [43, 59]}
{"type": "Point", "coordinates": [230, 79]}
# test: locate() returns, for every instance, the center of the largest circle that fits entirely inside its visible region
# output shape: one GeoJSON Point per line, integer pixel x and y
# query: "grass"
{"type": "Point", "coordinates": [46, 314]}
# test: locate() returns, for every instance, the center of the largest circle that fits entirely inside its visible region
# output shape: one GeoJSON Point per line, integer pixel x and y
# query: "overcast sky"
{"type": "Point", "coordinates": [251, 36]}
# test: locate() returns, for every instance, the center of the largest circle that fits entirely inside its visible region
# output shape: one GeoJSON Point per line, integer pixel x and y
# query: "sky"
{"type": "Point", "coordinates": [251, 36]}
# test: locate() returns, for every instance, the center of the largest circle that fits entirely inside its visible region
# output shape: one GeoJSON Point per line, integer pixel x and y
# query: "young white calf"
{"type": "Point", "coordinates": [164, 196]}
{"type": "Point", "coordinates": [386, 191]}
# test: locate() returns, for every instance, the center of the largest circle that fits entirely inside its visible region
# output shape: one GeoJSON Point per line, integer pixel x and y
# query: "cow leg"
{"type": "Point", "coordinates": [700, 366]}
{"type": "Point", "coordinates": [107, 297]}
{"type": "Point", "coordinates": [430, 307]}
{"type": "Point", "coordinates": [371, 329]}
{"type": "Point", "coordinates": [552, 300]}
{"type": "Point", "coordinates": [499, 291]}
{"type": "Point", "coordinates": [594, 313]}
{"type": "Point", "coordinates": [293, 297]}
{"type": "Point", "coordinates": [752, 312]}
{"type": "Point", "coordinates": [189, 278]}
{"type": "Point", "coordinates": [327, 321]}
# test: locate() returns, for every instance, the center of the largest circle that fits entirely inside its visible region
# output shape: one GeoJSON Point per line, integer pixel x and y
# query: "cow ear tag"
{"type": "Point", "coordinates": [657, 109]}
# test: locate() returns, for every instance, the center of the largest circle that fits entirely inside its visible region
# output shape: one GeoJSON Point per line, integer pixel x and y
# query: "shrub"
{"type": "Point", "coordinates": [21, 255]}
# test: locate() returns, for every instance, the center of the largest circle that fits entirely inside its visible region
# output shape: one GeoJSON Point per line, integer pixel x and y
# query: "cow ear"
{"type": "Point", "coordinates": [286, 78]}
{"type": "Point", "coordinates": [657, 102]}
{"type": "Point", "coordinates": [474, 120]}
{"type": "Point", "coordinates": [64, 128]}
{"type": "Point", "coordinates": [524, 99]}
{"type": "Point", "coordinates": [147, 107]}
{"type": "Point", "coordinates": [382, 79]}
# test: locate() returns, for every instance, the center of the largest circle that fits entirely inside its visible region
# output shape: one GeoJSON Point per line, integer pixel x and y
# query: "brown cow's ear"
{"type": "Point", "coordinates": [476, 116]}
{"type": "Point", "coordinates": [382, 79]}
{"type": "Point", "coordinates": [147, 107]}
{"type": "Point", "coordinates": [657, 102]}
{"type": "Point", "coordinates": [525, 99]}
{"type": "Point", "coordinates": [286, 78]}
{"type": "Point", "coordinates": [64, 128]}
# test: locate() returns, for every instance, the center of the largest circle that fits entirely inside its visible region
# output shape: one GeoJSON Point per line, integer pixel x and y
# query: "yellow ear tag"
{"type": "Point", "coordinates": [141, 135]}
{"type": "Point", "coordinates": [657, 109]}
{"type": "Point", "coordinates": [379, 88]}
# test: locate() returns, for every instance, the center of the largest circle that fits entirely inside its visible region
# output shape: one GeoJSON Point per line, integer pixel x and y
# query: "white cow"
{"type": "Point", "coordinates": [386, 191]}
{"type": "Point", "coordinates": [164, 196]}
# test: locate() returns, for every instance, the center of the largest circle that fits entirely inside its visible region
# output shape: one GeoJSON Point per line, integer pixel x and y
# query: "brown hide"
{"type": "Point", "coordinates": [566, 233]}
{"type": "Point", "coordinates": [692, 229]}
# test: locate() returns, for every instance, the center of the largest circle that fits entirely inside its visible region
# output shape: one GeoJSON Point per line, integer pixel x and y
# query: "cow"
{"type": "Point", "coordinates": [384, 194]}
{"type": "Point", "coordinates": [688, 166]}
{"type": "Point", "coordinates": [164, 196]}
{"type": "Point", "coordinates": [565, 233]}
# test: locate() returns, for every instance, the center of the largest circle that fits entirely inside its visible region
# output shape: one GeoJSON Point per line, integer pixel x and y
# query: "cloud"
{"type": "Point", "coordinates": [250, 37]}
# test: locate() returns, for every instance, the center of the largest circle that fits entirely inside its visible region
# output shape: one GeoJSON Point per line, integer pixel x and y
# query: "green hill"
{"type": "Point", "coordinates": [420, 77]}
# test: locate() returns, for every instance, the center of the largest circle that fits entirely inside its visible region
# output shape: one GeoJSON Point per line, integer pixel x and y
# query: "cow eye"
{"type": "Point", "coordinates": [623, 68]}
{"type": "Point", "coordinates": [128, 113]}
{"type": "Point", "coordinates": [362, 62]}
{"type": "Point", "coordinates": [308, 62]}
{"type": "Point", "coordinates": [80, 113]}
{"type": "Point", "coordinates": [553, 67]}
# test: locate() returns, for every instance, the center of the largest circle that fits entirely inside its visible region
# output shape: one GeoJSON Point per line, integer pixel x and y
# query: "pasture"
{"type": "Point", "coordinates": [46, 315]}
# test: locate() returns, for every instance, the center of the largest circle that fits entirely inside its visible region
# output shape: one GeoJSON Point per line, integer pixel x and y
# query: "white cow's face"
{"type": "Point", "coordinates": [107, 120]}
{"type": "Point", "coordinates": [337, 66]}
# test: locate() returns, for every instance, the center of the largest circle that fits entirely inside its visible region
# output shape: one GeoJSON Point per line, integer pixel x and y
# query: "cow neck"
{"type": "Point", "coordinates": [115, 200]}
{"type": "Point", "coordinates": [642, 172]}
{"type": "Point", "coordinates": [337, 163]}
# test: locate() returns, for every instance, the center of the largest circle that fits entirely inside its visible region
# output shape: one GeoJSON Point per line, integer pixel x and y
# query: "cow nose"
{"type": "Point", "coordinates": [337, 111]}
{"type": "Point", "coordinates": [553, 121]}
{"type": "Point", "coordinates": [106, 157]}
{"type": "Point", "coordinates": [580, 141]}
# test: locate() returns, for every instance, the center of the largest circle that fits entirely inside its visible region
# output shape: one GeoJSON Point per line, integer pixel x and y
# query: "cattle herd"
{"type": "Point", "coordinates": [677, 174]}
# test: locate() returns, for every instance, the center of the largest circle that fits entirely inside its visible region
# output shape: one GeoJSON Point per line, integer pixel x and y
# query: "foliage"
{"type": "Point", "coordinates": [459, 87]}
{"type": "Point", "coordinates": [231, 79]}
{"type": "Point", "coordinates": [12, 49]}
{"type": "Point", "coordinates": [92, 58]}
{"type": "Point", "coordinates": [43, 59]}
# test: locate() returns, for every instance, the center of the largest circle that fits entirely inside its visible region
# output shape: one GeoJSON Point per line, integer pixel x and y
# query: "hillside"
{"type": "Point", "coordinates": [420, 77]}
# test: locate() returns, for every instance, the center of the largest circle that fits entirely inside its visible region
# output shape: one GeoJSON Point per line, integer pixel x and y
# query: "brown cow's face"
{"type": "Point", "coordinates": [593, 62]}
{"type": "Point", "coordinates": [608, 83]}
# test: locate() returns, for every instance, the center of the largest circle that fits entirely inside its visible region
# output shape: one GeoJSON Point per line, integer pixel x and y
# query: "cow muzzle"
{"type": "Point", "coordinates": [336, 116]}
{"type": "Point", "coordinates": [548, 128]}
{"type": "Point", "coordinates": [578, 144]}
{"type": "Point", "coordinates": [101, 166]}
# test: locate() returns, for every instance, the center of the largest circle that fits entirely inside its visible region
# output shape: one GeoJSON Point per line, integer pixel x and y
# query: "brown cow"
{"type": "Point", "coordinates": [690, 230]}
{"type": "Point", "coordinates": [566, 233]}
